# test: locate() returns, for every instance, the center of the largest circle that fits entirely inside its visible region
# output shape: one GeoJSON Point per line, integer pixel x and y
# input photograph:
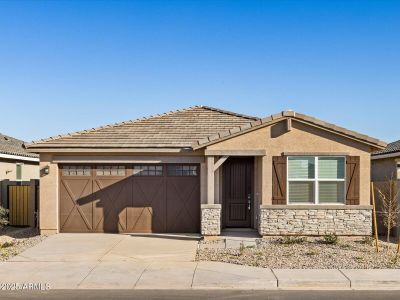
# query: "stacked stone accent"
{"type": "Point", "coordinates": [318, 220]}
{"type": "Point", "coordinates": [210, 219]}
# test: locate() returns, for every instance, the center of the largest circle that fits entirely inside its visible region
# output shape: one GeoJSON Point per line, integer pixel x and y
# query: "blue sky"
{"type": "Point", "coordinates": [72, 65]}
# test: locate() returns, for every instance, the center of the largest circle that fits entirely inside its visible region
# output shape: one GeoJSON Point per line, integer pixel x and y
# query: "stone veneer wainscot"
{"type": "Point", "coordinates": [315, 220]}
{"type": "Point", "coordinates": [210, 219]}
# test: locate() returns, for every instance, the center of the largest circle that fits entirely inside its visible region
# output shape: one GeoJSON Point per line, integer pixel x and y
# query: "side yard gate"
{"type": "Point", "coordinates": [21, 199]}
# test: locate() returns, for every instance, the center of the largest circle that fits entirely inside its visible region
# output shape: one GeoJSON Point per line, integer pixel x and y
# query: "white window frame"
{"type": "Point", "coordinates": [316, 181]}
{"type": "Point", "coordinates": [16, 167]}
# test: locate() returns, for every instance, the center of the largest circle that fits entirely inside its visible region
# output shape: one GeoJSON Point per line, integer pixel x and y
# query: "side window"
{"type": "Point", "coordinates": [398, 171]}
{"type": "Point", "coordinates": [110, 170]}
{"type": "Point", "coordinates": [76, 170]}
{"type": "Point", "coordinates": [182, 170]}
{"type": "Point", "coordinates": [18, 171]}
{"type": "Point", "coordinates": [147, 170]}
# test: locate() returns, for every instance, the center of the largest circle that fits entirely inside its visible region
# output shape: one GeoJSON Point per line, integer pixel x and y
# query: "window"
{"type": "Point", "coordinates": [76, 170]}
{"type": "Point", "coordinates": [316, 180]}
{"type": "Point", "coordinates": [110, 171]}
{"type": "Point", "coordinates": [147, 170]}
{"type": "Point", "coordinates": [398, 171]}
{"type": "Point", "coordinates": [182, 170]}
{"type": "Point", "coordinates": [18, 171]}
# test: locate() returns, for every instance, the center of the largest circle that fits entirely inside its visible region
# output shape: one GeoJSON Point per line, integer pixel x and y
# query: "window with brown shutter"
{"type": "Point", "coordinates": [279, 180]}
{"type": "Point", "coordinates": [352, 180]}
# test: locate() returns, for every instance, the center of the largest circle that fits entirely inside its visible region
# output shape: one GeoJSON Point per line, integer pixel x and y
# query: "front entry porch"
{"type": "Point", "coordinates": [232, 194]}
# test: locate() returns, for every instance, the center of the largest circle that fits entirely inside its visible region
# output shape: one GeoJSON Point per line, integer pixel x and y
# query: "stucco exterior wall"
{"type": "Point", "coordinates": [383, 169]}
{"type": "Point", "coordinates": [8, 170]}
{"type": "Point", "coordinates": [302, 138]}
{"type": "Point", "coordinates": [48, 205]}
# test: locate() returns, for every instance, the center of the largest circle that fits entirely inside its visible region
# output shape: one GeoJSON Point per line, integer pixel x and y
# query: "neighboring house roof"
{"type": "Point", "coordinates": [12, 146]}
{"type": "Point", "coordinates": [193, 128]}
{"type": "Point", "coordinates": [176, 129]}
{"type": "Point", "coordinates": [392, 149]}
{"type": "Point", "coordinates": [287, 115]}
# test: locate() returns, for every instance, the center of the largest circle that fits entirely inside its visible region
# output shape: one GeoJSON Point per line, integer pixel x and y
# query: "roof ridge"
{"type": "Point", "coordinates": [131, 121]}
{"type": "Point", "coordinates": [229, 112]}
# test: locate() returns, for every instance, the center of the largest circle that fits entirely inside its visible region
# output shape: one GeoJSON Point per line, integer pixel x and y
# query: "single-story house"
{"type": "Point", "coordinates": [16, 163]}
{"type": "Point", "coordinates": [203, 169]}
{"type": "Point", "coordinates": [386, 165]}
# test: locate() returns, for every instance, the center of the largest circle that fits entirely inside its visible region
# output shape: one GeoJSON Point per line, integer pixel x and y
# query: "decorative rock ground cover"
{"type": "Point", "coordinates": [305, 253]}
{"type": "Point", "coordinates": [15, 240]}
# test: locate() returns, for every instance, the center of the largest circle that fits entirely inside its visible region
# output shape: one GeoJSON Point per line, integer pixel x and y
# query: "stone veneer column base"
{"type": "Point", "coordinates": [211, 219]}
{"type": "Point", "coordinates": [315, 220]}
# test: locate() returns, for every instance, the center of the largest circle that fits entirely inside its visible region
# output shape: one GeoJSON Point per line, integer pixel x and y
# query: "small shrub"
{"type": "Point", "coordinates": [331, 239]}
{"type": "Point", "coordinates": [290, 240]}
{"type": "Point", "coordinates": [312, 252]}
{"type": "Point", "coordinates": [3, 217]}
{"type": "Point", "coordinates": [241, 249]}
{"type": "Point", "coordinates": [6, 245]}
{"type": "Point", "coordinates": [368, 240]}
{"type": "Point", "coordinates": [345, 246]}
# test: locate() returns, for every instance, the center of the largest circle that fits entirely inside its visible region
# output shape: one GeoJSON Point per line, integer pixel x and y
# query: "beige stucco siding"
{"type": "Point", "coordinates": [302, 138]}
{"type": "Point", "coordinates": [48, 206]}
{"type": "Point", "coordinates": [383, 169]}
{"type": "Point", "coordinates": [8, 170]}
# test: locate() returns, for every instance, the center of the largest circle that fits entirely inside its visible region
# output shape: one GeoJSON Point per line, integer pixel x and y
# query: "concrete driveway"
{"type": "Point", "coordinates": [112, 261]}
{"type": "Point", "coordinates": [81, 247]}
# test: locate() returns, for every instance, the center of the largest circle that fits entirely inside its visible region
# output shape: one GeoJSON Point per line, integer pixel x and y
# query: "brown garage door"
{"type": "Point", "coordinates": [130, 198]}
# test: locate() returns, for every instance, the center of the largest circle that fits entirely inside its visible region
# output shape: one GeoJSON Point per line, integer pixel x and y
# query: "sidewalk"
{"type": "Point", "coordinates": [190, 275]}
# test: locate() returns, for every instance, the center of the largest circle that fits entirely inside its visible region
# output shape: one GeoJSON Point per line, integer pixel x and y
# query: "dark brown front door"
{"type": "Point", "coordinates": [237, 192]}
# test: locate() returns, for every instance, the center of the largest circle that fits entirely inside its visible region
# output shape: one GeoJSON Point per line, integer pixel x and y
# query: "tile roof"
{"type": "Point", "coordinates": [176, 129]}
{"type": "Point", "coordinates": [285, 115]}
{"type": "Point", "coordinates": [390, 149]}
{"type": "Point", "coordinates": [12, 146]}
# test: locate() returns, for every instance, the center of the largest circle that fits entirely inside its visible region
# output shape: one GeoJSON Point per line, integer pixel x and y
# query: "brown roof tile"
{"type": "Point", "coordinates": [12, 146]}
{"type": "Point", "coordinates": [177, 129]}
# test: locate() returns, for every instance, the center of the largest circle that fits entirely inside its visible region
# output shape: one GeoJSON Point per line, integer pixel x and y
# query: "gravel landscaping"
{"type": "Point", "coordinates": [15, 240]}
{"type": "Point", "coordinates": [305, 253]}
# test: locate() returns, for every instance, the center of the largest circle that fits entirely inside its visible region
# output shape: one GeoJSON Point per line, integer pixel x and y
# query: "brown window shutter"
{"type": "Point", "coordinates": [352, 180]}
{"type": "Point", "coordinates": [279, 180]}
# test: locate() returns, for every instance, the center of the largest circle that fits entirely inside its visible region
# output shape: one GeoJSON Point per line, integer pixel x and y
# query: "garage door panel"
{"type": "Point", "coordinates": [183, 204]}
{"type": "Point", "coordinates": [76, 207]}
{"type": "Point", "coordinates": [140, 219]}
{"type": "Point", "coordinates": [149, 205]}
{"type": "Point", "coordinates": [123, 199]}
{"type": "Point", "coordinates": [112, 196]}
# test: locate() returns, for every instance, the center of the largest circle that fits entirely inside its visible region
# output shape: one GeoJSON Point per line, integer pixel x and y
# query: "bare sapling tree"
{"type": "Point", "coordinates": [388, 194]}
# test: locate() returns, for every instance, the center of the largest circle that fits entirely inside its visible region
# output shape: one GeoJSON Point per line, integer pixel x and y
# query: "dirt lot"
{"type": "Point", "coordinates": [307, 253]}
{"type": "Point", "coordinates": [14, 240]}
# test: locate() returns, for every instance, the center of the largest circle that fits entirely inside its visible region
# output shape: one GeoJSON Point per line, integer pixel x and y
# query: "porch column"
{"type": "Point", "coordinates": [210, 212]}
{"type": "Point", "coordinates": [210, 180]}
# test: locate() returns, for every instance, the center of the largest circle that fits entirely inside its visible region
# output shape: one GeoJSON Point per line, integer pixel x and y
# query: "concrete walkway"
{"type": "Point", "coordinates": [106, 261]}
